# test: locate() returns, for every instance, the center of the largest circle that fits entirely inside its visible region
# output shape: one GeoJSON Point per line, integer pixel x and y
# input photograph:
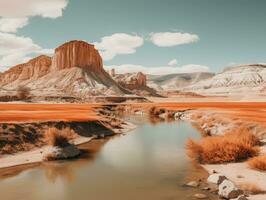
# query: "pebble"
{"type": "Point", "coordinates": [192, 184]}
{"type": "Point", "coordinates": [200, 196]}
{"type": "Point", "coordinates": [242, 198]}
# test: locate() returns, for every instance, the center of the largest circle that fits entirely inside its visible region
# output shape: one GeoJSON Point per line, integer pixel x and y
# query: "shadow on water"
{"type": "Point", "coordinates": [146, 163]}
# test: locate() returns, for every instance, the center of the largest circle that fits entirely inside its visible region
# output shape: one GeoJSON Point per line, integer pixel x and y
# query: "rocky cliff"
{"type": "Point", "coordinates": [33, 69]}
{"type": "Point", "coordinates": [242, 79]}
{"type": "Point", "coordinates": [77, 54]}
{"type": "Point", "coordinates": [75, 69]}
{"type": "Point", "coordinates": [176, 81]}
{"type": "Point", "coordinates": [131, 80]}
{"type": "Point", "coordinates": [135, 82]}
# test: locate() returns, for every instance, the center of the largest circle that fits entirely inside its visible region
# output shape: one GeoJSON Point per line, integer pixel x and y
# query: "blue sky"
{"type": "Point", "coordinates": [198, 34]}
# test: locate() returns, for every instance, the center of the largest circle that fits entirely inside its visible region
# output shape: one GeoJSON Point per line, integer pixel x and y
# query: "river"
{"type": "Point", "coordinates": [147, 163]}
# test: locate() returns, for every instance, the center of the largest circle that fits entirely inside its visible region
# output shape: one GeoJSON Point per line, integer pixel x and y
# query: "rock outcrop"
{"type": "Point", "coordinates": [135, 82]}
{"type": "Point", "coordinates": [237, 80]}
{"type": "Point", "coordinates": [76, 69]}
{"type": "Point", "coordinates": [132, 80]}
{"type": "Point", "coordinates": [171, 82]}
{"type": "Point", "coordinates": [77, 54]}
{"type": "Point", "coordinates": [34, 69]}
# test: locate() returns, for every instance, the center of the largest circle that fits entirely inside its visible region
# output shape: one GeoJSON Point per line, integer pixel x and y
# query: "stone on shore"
{"type": "Point", "coordinates": [192, 184]}
{"type": "Point", "coordinates": [228, 190]}
{"type": "Point", "coordinates": [59, 153]}
{"type": "Point", "coordinates": [200, 196]}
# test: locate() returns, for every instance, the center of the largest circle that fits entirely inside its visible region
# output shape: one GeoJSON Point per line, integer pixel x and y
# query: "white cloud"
{"type": "Point", "coordinates": [172, 62]}
{"type": "Point", "coordinates": [14, 14]}
{"type": "Point", "coordinates": [118, 43]}
{"type": "Point", "coordinates": [169, 39]}
{"type": "Point", "coordinates": [29, 8]}
{"type": "Point", "coordinates": [130, 68]}
{"type": "Point", "coordinates": [17, 49]}
{"type": "Point", "coordinates": [12, 24]}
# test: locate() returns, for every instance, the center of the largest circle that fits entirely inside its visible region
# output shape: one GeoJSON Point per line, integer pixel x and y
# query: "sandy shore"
{"type": "Point", "coordinates": [36, 155]}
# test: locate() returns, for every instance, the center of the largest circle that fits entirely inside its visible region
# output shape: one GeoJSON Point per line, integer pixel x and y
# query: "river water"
{"type": "Point", "coordinates": [146, 163]}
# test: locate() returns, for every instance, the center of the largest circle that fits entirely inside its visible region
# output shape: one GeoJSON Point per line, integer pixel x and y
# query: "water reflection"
{"type": "Point", "coordinates": [147, 163]}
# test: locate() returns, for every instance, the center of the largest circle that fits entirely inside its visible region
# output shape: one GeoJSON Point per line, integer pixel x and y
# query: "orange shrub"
{"type": "Point", "coordinates": [60, 138]}
{"type": "Point", "coordinates": [220, 149]}
{"type": "Point", "coordinates": [258, 163]}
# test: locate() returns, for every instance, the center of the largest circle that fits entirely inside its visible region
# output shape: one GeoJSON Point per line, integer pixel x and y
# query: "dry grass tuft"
{"type": "Point", "coordinates": [155, 111]}
{"type": "Point", "coordinates": [221, 149]}
{"type": "Point", "coordinates": [60, 138]}
{"type": "Point", "coordinates": [258, 163]}
{"type": "Point", "coordinates": [23, 92]}
{"type": "Point", "coordinates": [251, 188]}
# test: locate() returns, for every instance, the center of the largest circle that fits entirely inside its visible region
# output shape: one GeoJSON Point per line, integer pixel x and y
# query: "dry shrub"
{"type": "Point", "coordinates": [23, 92]}
{"type": "Point", "coordinates": [258, 163]}
{"type": "Point", "coordinates": [251, 188]}
{"type": "Point", "coordinates": [156, 111]}
{"type": "Point", "coordinates": [220, 149]}
{"type": "Point", "coordinates": [60, 138]}
{"type": "Point", "coordinates": [7, 149]}
{"type": "Point", "coordinates": [50, 157]}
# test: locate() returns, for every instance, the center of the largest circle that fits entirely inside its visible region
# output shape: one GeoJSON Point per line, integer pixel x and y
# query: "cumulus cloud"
{"type": "Point", "coordinates": [28, 8]}
{"type": "Point", "coordinates": [118, 43]}
{"type": "Point", "coordinates": [17, 49]}
{"type": "Point", "coordinates": [169, 39]}
{"type": "Point", "coordinates": [161, 70]}
{"type": "Point", "coordinates": [172, 62]}
{"type": "Point", "coordinates": [12, 24]}
{"type": "Point", "coordinates": [14, 14]}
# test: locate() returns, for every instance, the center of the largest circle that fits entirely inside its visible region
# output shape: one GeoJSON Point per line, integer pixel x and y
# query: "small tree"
{"type": "Point", "coordinates": [23, 92]}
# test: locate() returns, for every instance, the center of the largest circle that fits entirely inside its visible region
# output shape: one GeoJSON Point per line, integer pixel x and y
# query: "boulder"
{"type": "Point", "coordinates": [242, 197]}
{"type": "Point", "coordinates": [178, 115]}
{"type": "Point", "coordinates": [163, 115]}
{"type": "Point", "coordinates": [228, 190]}
{"type": "Point", "coordinates": [59, 153]}
{"type": "Point", "coordinates": [216, 178]}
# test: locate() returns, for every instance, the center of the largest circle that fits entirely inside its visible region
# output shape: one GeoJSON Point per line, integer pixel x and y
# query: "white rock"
{"type": "Point", "coordinates": [178, 115]}
{"type": "Point", "coordinates": [192, 184]}
{"type": "Point", "coordinates": [214, 178]}
{"type": "Point", "coordinates": [163, 115]}
{"type": "Point", "coordinates": [200, 196]}
{"type": "Point", "coordinates": [227, 189]}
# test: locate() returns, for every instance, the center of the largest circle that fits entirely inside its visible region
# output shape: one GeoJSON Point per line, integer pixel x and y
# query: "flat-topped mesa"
{"type": "Point", "coordinates": [33, 69]}
{"type": "Point", "coordinates": [77, 54]}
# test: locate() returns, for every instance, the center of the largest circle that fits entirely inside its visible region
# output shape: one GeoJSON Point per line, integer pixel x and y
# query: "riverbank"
{"type": "Point", "coordinates": [210, 118]}
{"type": "Point", "coordinates": [36, 155]}
{"type": "Point", "coordinates": [220, 121]}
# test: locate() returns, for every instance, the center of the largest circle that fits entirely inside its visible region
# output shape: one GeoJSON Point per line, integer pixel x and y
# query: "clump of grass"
{"type": "Point", "coordinates": [258, 163]}
{"type": "Point", "coordinates": [155, 111]}
{"type": "Point", "coordinates": [23, 92]}
{"type": "Point", "coordinates": [231, 147]}
{"type": "Point", "coordinates": [59, 138]}
{"type": "Point", "coordinates": [50, 157]}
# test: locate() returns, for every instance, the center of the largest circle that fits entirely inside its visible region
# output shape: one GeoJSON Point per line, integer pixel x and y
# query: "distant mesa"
{"type": "Point", "coordinates": [76, 69]}
{"type": "Point", "coordinates": [77, 54]}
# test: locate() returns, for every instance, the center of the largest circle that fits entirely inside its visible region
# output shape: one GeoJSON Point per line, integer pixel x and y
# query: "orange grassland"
{"type": "Point", "coordinates": [248, 111]}
{"type": "Point", "coordinates": [47, 112]}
